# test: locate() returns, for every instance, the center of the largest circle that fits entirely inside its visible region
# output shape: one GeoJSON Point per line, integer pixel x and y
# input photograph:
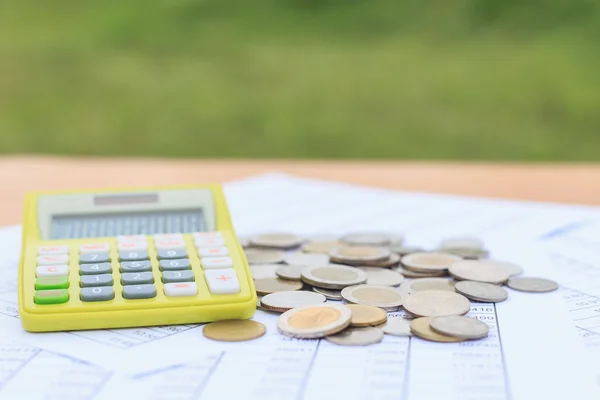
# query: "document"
{"type": "Point", "coordinates": [534, 349]}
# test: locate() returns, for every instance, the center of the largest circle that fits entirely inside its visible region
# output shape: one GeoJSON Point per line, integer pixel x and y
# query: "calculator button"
{"type": "Point", "coordinates": [133, 255]}
{"type": "Point", "coordinates": [185, 275]}
{"type": "Point", "coordinates": [222, 281]}
{"type": "Point", "coordinates": [136, 278]}
{"type": "Point", "coordinates": [52, 282]}
{"type": "Point", "coordinates": [171, 265]}
{"type": "Point", "coordinates": [94, 258]}
{"type": "Point", "coordinates": [181, 289]}
{"type": "Point", "coordinates": [139, 291]}
{"type": "Point", "coordinates": [94, 248]}
{"type": "Point", "coordinates": [52, 270]}
{"type": "Point", "coordinates": [216, 262]}
{"type": "Point", "coordinates": [207, 234]}
{"type": "Point", "coordinates": [92, 269]}
{"type": "Point", "coordinates": [168, 236]}
{"type": "Point", "coordinates": [212, 251]}
{"type": "Point", "coordinates": [96, 280]}
{"type": "Point", "coordinates": [55, 296]}
{"type": "Point", "coordinates": [131, 238]}
{"type": "Point", "coordinates": [52, 260]}
{"type": "Point", "coordinates": [132, 246]}
{"type": "Point", "coordinates": [170, 254]}
{"type": "Point", "coordinates": [209, 242]}
{"type": "Point", "coordinates": [52, 250]}
{"type": "Point", "coordinates": [170, 244]}
{"type": "Point", "coordinates": [99, 293]}
{"type": "Point", "coordinates": [136, 266]}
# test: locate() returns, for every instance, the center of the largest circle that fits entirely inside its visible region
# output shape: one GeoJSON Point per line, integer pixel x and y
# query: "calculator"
{"type": "Point", "coordinates": [126, 258]}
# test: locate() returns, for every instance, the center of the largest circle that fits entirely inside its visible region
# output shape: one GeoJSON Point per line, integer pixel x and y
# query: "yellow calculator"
{"type": "Point", "coordinates": [124, 258]}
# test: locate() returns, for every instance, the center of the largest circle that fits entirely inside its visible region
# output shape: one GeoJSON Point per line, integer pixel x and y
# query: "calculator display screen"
{"type": "Point", "coordinates": [142, 223]}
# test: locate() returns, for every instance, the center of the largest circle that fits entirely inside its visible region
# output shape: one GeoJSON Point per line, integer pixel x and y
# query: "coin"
{"type": "Point", "coordinates": [314, 321]}
{"type": "Point", "coordinates": [434, 303]}
{"type": "Point", "coordinates": [366, 315]}
{"type": "Point", "coordinates": [274, 285]}
{"type": "Point", "coordinates": [429, 262]}
{"type": "Point", "coordinates": [234, 330]}
{"type": "Point", "coordinates": [321, 247]}
{"type": "Point", "coordinates": [479, 271]}
{"type": "Point", "coordinates": [404, 250]}
{"type": "Point", "coordinates": [397, 326]}
{"type": "Point", "coordinates": [262, 271]}
{"type": "Point", "coordinates": [356, 337]}
{"type": "Point", "coordinates": [420, 327]}
{"type": "Point", "coordinates": [533, 285]}
{"type": "Point", "coordinates": [511, 268]}
{"type": "Point", "coordinates": [290, 272]}
{"type": "Point", "coordinates": [262, 256]}
{"type": "Point", "coordinates": [412, 274]}
{"type": "Point", "coordinates": [469, 243]}
{"type": "Point", "coordinates": [416, 285]}
{"type": "Point", "coordinates": [333, 276]}
{"type": "Point", "coordinates": [359, 254]}
{"type": "Point", "coordinates": [459, 327]}
{"type": "Point", "coordinates": [283, 301]}
{"type": "Point", "coordinates": [392, 261]}
{"type": "Point", "coordinates": [330, 294]}
{"type": "Point", "coordinates": [367, 239]}
{"type": "Point", "coordinates": [469, 254]}
{"type": "Point", "coordinates": [381, 276]}
{"type": "Point", "coordinates": [479, 291]}
{"type": "Point", "coordinates": [385, 297]}
{"type": "Point", "coordinates": [306, 259]}
{"type": "Point", "coordinates": [277, 240]}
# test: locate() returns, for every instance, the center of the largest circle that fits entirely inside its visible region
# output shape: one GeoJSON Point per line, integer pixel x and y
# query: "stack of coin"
{"type": "Point", "coordinates": [365, 256]}
{"type": "Point", "coordinates": [466, 247]}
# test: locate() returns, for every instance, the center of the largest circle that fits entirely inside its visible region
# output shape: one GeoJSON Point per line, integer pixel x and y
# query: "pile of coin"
{"type": "Point", "coordinates": [373, 274]}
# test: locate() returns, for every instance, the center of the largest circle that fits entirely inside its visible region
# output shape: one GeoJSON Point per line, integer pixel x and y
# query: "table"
{"type": "Point", "coordinates": [568, 183]}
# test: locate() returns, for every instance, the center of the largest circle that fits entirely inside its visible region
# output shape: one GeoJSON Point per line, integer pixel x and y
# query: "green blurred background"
{"type": "Point", "coordinates": [389, 79]}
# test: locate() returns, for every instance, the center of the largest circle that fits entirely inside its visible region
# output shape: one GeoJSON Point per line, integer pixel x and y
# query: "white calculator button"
{"type": "Point", "coordinates": [222, 281]}
{"type": "Point", "coordinates": [52, 270]}
{"type": "Point", "coordinates": [209, 242]}
{"type": "Point", "coordinates": [170, 244]}
{"type": "Point", "coordinates": [181, 289]}
{"type": "Point", "coordinates": [94, 248]}
{"type": "Point", "coordinates": [212, 251]}
{"type": "Point", "coordinates": [216, 262]}
{"type": "Point", "coordinates": [52, 260]}
{"type": "Point", "coordinates": [132, 246]}
{"type": "Point", "coordinates": [52, 250]}
{"type": "Point", "coordinates": [131, 238]}
{"type": "Point", "coordinates": [168, 236]}
{"type": "Point", "coordinates": [207, 235]}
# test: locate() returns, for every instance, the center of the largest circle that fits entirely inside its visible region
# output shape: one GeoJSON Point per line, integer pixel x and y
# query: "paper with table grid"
{"type": "Point", "coordinates": [533, 350]}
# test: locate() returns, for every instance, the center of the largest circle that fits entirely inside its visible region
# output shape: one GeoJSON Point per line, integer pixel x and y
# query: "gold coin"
{"type": "Point", "coordinates": [283, 301]}
{"type": "Point", "coordinates": [429, 262]}
{"type": "Point", "coordinates": [314, 321]}
{"type": "Point", "coordinates": [234, 330]}
{"type": "Point", "coordinates": [273, 285]}
{"type": "Point", "coordinates": [330, 294]}
{"type": "Point", "coordinates": [381, 276]}
{"type": "Point", "coordinates": [434, 303]}
{"type": "Point", "coordinates": [262, 256]}
{"type": "Point", "coordinates": [321, 247]}
{"type": "Point", "coordinates": [356, 337]}
{"type": "Point", "coordinates": [385, 297]}
{"type": "Point", "coordinates": [290, 272]}
{"type": "Point", "coordinates": [478, 271]}
{"type": "Point", "coordinates": [421, 327]}
{"type": "Point", "coordinates": [333, 276]}
{"type": "Point", "coordinates": [277, 240]}
{"type": "Point", "coordinates": [366, 315]}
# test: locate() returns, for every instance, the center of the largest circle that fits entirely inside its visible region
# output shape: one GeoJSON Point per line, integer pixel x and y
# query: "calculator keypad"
{"type": "Point", "coordinates": [174, 265]}
{"type": "Point", "coordinates": [52, 270]}
{"type": "Point", "coordinates": [96, 280]}
{"type": "Point", "coordinates": [170, 254]}
{"type": "Point", "coordinates": [133, 255]}
{"type": "Point", "coordinates": [94, 258]}
{"type": "Point", "coordinates": [178, 276]}
{"type": "Point", "coordinates": [136, 266]}
{"type": "Point", "coordinates": [53, 260]}
{"type": "Point", "coordinates": [136, 278]}
{"type": "Point", "coordinates": [139, 291]}
{"type": "Point", "coordinates": [99, 293]}
{"type": "Point", "coordinates": [92, 269]}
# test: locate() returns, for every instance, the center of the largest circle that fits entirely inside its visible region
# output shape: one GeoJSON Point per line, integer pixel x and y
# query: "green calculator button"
{"type": "Point", "coordinates": [52, 282]}
{"type": "Point", "coordinates": [54, 296]}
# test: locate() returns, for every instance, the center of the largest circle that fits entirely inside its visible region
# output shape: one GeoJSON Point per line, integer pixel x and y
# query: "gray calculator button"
{"type": "Point", "coordinates": [136, 266]}
{"type": "Point", "coordinates": [94, 258]}
{"type": "Point", "coordinates": [92, 269]}
{"type": "Point", "coordinates": [96, 280]}
{"type": "Point", "coordinates": [171, 254]}
{"type": "Point", "coordinates": [133, 255]}
{"type": "Point", "coordinates": [178, 276]}
{"type": "Point", "coordinates": [99, 293]}
{"type": "Point", "coordinates": [173, 265]}
{"type": "Point", "coordinates": [136, 278]}
{"type": "Point", "coordinates": [139, 291]}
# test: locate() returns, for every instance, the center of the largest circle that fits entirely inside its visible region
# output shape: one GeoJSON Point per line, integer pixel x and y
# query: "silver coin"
{"type": "Point", "coordinates": [356, 336]}
{"type": "Point", "coordinates": [382, 276]}
{"type": "Point", "coordinates": [386, 297]}
{"type": "Point", "coordinates": [396, 326]}
{"type": "Point", "coordinates": [479, 271]}
{"type": "Point", "coordinates": [330, 294]}
{"type": "Point", "coordinates": [511, 268]}
{"type": "Point", "coordinates": [299, 258]}
{"type": "Point", "coordinates": [283, 301]}
{"type": "Point", "coordinates": [479, 291]}
{"type": "Point", "coordinates": [416, 285]}
{"type": "Point", "coordinates": [367, 239]}
{"type": "Point", "coordinates": [263, 271]}
{"type": "Point", "coordinates": [262, 256]}
{"type": "Point", "coordinates": [412, 274]}
{"type": "Point", "coordinates": [435, 303]}
{"type": "Point", "coordinates": [469, 254]}
{"type": "Point", "coordinates": [405, 250]}
{"type": "Point", "coordinates": [359, 254]}
{"type": "Point", "coordinates": [459, 327]}
{"type": "Point", "coordinates": [532, 285]}
{"type": "Point", "coordinates": [277, 240]}
{"type": "Point", "coordinates": [333, 276]}
{"type": "Point", "coordinates": [429, 262]}
{"type": "Point", "coordinates": [290, 272]}
{"type": "Point", "coordinates": [467, 243]}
